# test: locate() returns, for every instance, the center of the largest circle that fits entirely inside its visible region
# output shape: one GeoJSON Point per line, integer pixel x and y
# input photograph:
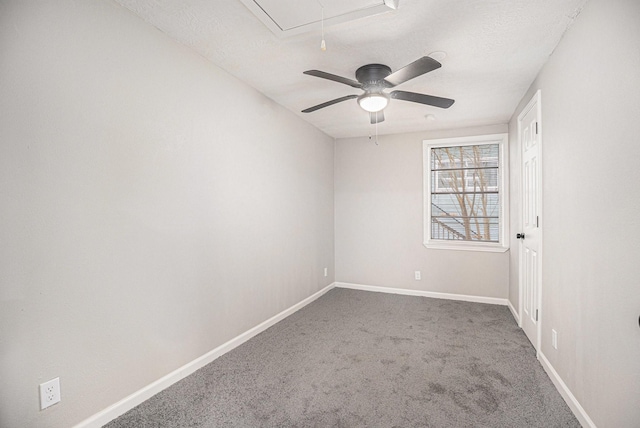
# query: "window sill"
{"type": "Point", "coordinates": [467, 246]}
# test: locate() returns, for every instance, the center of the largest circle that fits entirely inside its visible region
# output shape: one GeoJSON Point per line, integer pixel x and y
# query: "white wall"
{"type": "Point", "coordinates": [379, 221]}
{"type": "Point", "coordinates": [153, 207]}
{"type": "Point", "coordinates": [591, 290]}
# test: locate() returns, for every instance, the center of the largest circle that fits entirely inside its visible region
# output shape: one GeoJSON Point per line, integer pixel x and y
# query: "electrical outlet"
{"type": "Point", "coordinates": [418, 275]}
{"type": "Point", "coordinates": [326, 272]}
{"type": "Point", "coordinates": [554, 339]}
{"type": "Point", "coordinates": [49, 393]}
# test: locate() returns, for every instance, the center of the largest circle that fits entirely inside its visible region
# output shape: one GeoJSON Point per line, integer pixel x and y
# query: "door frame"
{"type": "Point", "coordinates": [535, 101]}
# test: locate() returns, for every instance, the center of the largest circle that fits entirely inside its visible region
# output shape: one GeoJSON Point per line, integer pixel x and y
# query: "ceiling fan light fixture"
{"type": "Point", "coordinates": [373, 102]}
{"type": "Point", "coordinates": [373, 79]}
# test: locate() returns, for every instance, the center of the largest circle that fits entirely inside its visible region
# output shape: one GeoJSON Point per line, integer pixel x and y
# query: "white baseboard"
{"type": "Point", "coordinates": [128, 403]}
{"type": "Point", "coordinates": [433, 294]}
{"type": "Point", "coordinates": [110, 413]}
{"type": "Point", "coordinates": [514, 312]}
{"type": "Point", "coordinates": [566, 394]}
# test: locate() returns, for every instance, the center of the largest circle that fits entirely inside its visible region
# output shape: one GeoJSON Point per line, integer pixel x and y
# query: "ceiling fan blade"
{"type": "Point", "coordinates": [422, 99]}
{"type": "Point", "coordinates": [329, 103]}
{"type": "Point", "coordinates": [377, 117]}
{"type": "Point", "coordinates": [329, 76]}
{"type": "Point", "coordinates": [415, 69]}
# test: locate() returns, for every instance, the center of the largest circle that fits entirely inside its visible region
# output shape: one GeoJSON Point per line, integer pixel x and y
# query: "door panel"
{"type": "Point", "coordinates": [530, 262]}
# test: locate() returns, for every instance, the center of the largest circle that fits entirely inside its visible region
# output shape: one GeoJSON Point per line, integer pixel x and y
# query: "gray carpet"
{"type": "Point", "coordinates": [361, 359]}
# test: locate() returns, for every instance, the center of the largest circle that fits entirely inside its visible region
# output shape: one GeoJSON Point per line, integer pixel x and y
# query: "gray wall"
{"type": "Point", "coordinates": [379, 221]}
{"type": "Point", "coordinates": [590, 281]}
{"type": "Point", "coordinates": [153, 207]}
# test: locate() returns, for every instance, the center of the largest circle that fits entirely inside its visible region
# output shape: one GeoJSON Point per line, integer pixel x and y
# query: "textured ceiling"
{"type": "Point", "coordinates": [495, 48]}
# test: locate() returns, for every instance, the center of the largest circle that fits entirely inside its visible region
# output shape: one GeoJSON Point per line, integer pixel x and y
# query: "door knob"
{"type": "Point", "coordinates": [520, 236]}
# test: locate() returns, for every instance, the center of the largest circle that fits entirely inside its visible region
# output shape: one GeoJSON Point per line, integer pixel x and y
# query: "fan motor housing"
{"type": "Point", "coordinates": [372, 76]}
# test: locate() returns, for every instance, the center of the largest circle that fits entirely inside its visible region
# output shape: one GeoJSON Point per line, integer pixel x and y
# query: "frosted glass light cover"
{"type": "Point", "coordinates": [373, 102]}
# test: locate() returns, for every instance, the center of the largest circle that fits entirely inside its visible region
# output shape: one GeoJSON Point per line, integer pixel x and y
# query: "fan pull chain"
{"type": "Point", "coordinates": [376, 125]}
{"type": "Point", "coordinates": [323, 45]}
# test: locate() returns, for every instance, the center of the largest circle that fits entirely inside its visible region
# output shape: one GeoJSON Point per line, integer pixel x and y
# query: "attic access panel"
{"type": "Point", "coordinates": [287, 18]}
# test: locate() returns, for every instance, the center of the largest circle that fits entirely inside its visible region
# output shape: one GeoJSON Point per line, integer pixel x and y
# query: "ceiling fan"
{"type": "Point", "coordinates": [375, 78]}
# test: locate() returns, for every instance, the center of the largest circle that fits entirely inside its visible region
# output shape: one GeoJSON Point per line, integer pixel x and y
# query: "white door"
{"type": "Point", "coordinates": [530, 236]}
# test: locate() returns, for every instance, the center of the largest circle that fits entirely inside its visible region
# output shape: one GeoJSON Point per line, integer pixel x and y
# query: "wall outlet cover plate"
{"type": "Point", "coordinates": [49, 393]}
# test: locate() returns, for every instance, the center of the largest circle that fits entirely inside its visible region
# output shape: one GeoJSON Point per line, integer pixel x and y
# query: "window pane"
{"type": "Point", "coordinates": [467, 180]}
{"type": "Point", "coordinates": [465, 203]}
{"type": "Point", "coordinates": [486, 230]}
{"type": "Point", "coordinates": [465, 156]}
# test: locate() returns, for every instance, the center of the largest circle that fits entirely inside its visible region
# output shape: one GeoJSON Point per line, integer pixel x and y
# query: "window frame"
{"type": "Point", "coordinates": [503, 191]}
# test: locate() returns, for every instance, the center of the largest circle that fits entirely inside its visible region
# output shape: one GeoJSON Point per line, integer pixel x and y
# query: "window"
{"type": "Point", "coordinates": [465, 193]}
